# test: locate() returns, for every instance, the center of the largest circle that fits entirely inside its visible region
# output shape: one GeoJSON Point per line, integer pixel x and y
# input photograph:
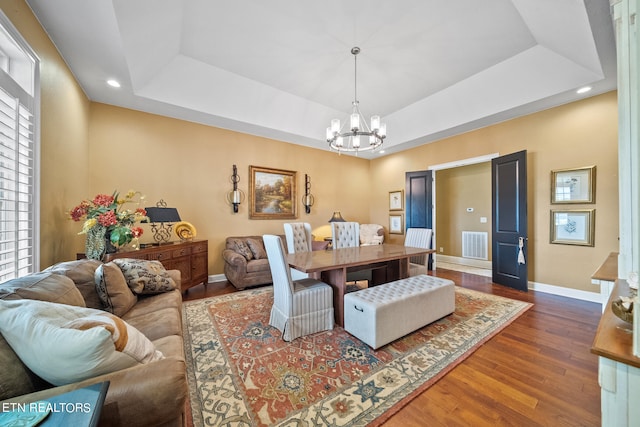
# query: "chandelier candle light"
{"type": "Point", "coordinates": [350, 140]}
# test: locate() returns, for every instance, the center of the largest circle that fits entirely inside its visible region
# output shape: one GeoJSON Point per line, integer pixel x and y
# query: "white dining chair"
{"type": "Point", "coordinates": [345, 234]}
{"type": "Point", "coordinates": [418, 238]}
{"type": "Point", "coordinates": [298, 237]}
{"type": "Point", "coordinates": [300, 307]}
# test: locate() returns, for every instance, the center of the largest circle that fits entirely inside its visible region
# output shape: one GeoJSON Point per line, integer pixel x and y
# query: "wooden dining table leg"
{"type": "Point", "coordinates": [337, 278]}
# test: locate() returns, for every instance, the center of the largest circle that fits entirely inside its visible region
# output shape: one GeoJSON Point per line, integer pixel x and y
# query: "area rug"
{"type": "Point", "coordinates": [241, 372]}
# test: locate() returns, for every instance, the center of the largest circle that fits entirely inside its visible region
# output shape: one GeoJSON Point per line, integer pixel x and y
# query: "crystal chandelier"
{"type": "Point", "coordinates": [351, 140]}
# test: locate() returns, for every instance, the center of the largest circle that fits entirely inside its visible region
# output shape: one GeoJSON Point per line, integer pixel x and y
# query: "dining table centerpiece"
{"type": "Point", "coordinates": [108, 223]}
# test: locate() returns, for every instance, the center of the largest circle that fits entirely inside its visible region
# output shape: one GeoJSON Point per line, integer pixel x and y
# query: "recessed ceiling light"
{"type": "Point", "coordinates": [584, 89]}
{"type": "Point", "coordinates": [113, 83]}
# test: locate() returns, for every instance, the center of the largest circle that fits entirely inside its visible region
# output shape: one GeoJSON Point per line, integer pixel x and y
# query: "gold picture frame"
{"type": "Point", "coordinates": [396, 224]}
{"type": "Point", "coordinates": [572, 227]}
{"type": "Point", "coordinates": [396, 200]}
{"type": "Point", "coordinates": [576, 185]}
{"type": "Point", "coordinates": [272, 193]}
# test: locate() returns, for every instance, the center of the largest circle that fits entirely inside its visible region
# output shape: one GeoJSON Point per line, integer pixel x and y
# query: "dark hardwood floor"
{"type": "Point", "coordinates": [538, 371]}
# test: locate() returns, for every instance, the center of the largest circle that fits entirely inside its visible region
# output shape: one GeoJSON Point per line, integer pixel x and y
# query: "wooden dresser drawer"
{"type": "Point", "coordinates": [183, 251]}
{"type": "Point", "coordinates": [199, 247]}
{"type": "Point", "coordinates": [160, 255]}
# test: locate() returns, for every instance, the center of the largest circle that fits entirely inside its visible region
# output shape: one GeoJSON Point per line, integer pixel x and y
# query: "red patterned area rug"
{"type": "Point", "coordinates": [241, 372]}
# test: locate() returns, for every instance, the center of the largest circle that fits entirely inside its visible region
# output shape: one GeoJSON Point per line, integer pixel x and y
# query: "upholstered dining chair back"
{"type": "Point", "coordinates": [300, 307]}
{"type": "Point", "coordinates": [418, 238]}
{"type": "Point", "coordinates": [298, 236]}
{"type": "Point", "coordinates": [345, 234]}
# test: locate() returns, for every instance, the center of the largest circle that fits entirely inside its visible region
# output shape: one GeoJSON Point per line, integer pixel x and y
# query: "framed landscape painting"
{"type": "Point", "coordinates": [272, 193]}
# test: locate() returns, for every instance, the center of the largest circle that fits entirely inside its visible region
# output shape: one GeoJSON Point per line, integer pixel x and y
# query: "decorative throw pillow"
{"type": "Point", "coordinates": [145, 277]}
{"type": "Point", "coordinates": [256, 249]}
{"type": "Point", "coordinates": [64, 344]}
{"type": "Point", "coordinates": [112, 289]}
{"type": "Point", "coordinates": [242, 248]}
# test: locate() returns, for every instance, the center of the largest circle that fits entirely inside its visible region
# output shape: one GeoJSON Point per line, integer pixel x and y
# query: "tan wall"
{"type": "Point", "coordinates": [64, 130]}
{"type": "Point", "coordinates": [89, 148]}
{"type": "Point", "coordinates": [189, 166]}
{"type": "Point", "coordinates": [456, 190]}
{"type": "Point", "coordinates": [579, 134]}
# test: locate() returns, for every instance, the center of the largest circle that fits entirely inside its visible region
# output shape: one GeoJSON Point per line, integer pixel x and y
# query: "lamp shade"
{"type": "Point", "coordinates": [337, 217]}
{"type": "Point", "coordinates": [156, 214]}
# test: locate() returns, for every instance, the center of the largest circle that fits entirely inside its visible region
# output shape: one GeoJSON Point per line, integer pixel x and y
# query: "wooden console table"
{"type": "Point", "coordinates": [618, 368]}
{"type": "Point", "coordinates": [190, 257]}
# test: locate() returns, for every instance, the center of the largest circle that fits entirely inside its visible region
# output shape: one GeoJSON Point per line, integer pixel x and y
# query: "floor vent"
{"type": "Point", "coordinates": [475, 244]}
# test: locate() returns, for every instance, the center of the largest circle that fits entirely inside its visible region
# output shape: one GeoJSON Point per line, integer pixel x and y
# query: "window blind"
{"type": "Point", "coordinates": [18, 155]}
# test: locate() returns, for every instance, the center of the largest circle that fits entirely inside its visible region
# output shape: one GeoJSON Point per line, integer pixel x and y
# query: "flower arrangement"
{"type": "Point", "coordinates": [107, 222]}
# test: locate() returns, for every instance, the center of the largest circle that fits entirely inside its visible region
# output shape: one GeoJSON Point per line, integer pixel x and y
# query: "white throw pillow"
{"type": "Point", "coordinates": [64, 344]}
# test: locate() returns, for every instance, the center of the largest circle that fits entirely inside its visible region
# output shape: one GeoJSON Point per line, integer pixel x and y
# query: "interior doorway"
{"type": "Point", "coordinates": [460, 213]}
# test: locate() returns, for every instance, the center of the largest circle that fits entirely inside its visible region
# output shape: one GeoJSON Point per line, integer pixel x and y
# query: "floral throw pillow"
{"type": "Point", "coordinates": [256, 249]}
{"type": "Point", "coordinates": [145, 277]}
{"type": "Point", "coordinates": [242, 248]}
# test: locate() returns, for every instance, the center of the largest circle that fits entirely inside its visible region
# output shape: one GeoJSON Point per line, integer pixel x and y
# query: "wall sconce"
{"type": "Point", "coordinates": [307, 199]}
{"type": "Point", "coordinates": [162, 219]}
{"type": "Point", "coordinates": [337, 217]}
{"type": "Point", "coordinates": [235, 196]}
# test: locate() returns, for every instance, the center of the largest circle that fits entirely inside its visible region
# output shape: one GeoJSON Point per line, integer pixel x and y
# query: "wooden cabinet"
{"type": "Point", "coordinates": [191, 258]}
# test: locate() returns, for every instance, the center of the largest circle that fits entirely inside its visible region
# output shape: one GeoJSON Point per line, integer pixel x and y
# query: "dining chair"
{"type": "Point", "coordinates": [300, 307]}
{"type": "Point", "coordinates": [298, 237]}
{"type": "Point", "coordinates": [345, 234]}
{"type": "Point", "coordinates": [418, 238]}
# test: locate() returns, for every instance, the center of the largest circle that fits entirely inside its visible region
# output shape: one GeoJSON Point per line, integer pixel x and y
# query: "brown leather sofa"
{"type": "Point", "coordinates": [142, 395]}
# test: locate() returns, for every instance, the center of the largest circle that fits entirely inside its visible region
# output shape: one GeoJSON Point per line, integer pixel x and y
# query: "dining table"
{"type": "Point", "coordinates": [388, 262]}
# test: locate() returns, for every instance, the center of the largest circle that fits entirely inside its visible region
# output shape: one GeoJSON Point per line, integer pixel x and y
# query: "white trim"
{"type": "Point", "coordinates": [464, 162]}
{"type": "Point", "coordinates": [566, 292]}
{"type": "Point", "coordinates": [463, 261]}
{"type": "Point", "coordinates": [217, 278]}
{"type": "Point", "coordinates": [597, 297]}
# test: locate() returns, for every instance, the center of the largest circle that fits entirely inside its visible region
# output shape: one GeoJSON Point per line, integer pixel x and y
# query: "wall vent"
{"type": "Point", "coordinates": [475, 244]}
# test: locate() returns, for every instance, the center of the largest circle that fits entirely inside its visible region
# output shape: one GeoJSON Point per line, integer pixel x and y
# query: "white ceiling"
{"type": "Point", "coordinates": [283, 68]}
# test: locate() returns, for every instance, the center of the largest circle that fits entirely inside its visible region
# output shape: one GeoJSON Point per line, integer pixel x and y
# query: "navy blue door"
{"type": "Point", "coordinates": [509, 228]}
{"type": "Point", "coordinates": [419, 202]}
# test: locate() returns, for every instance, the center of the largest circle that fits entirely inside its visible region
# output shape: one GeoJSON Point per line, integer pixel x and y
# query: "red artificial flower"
{"type": "Point", "coordinates": [137, 231]}
{"type": "Point", "coordinates": [108, 218]}
{"type": "Point", "coordinates": [103, 200]}
{"type": "Point", "coordinates": [79, 211]}
{"type": "Point", "coordinates": [141, 211]}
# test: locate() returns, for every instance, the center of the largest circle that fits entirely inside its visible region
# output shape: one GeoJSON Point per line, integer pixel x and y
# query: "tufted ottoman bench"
{"type": "Point", "coordinates": [387, 312]}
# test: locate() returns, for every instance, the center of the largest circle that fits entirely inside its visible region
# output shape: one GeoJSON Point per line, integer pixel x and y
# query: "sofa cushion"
{"type": "Point", "coordinates": [258, 265]}
{"type": "Point", "coordinates": [241, 247]}
{"type": "Point", "coordinates": [257, 249]}
{"type": "Point", "coordinates": [82, 273]}
{"type": "Point", "coordinates": [145, 277]}
{"type": "Point", "coordinates": [42, 286]}
{"type": "Point", "coordinates": [65, 344]}
{"type": "Point", "coordinates": [149, 303]}
{"type": "Point", "coordinates": [113, 290]}
{"type": "Point", "coordinates": [157, 324]}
